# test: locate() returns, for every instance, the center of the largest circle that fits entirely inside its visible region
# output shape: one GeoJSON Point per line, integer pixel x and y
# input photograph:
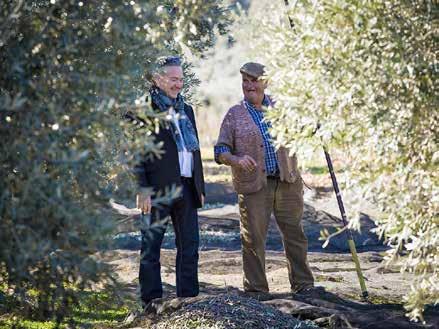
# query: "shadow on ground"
{"type": "Point", "coordinates": [219, 229]}
{"type": "Point", "coordinates": [220, 271]}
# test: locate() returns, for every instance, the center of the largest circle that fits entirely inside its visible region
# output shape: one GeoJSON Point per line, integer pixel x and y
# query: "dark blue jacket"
{"type": "Point", "coordinates": [164, 172]}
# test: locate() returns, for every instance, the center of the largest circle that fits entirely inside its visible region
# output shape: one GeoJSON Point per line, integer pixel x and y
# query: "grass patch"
{"type": "Point", "coordinates": [26, 324]}
{"type": "Point", "coordinates": [376, 299]}
{"type": "Point", "coordinates": [96, 310]}
{"type": "Point", "coordinates": [326, 278]}
{"type": "Point", "coordinates": [381, 300]}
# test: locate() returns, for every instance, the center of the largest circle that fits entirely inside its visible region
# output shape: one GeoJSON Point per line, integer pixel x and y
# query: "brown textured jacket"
{"type": "Point", "coordinates": [240, 133]}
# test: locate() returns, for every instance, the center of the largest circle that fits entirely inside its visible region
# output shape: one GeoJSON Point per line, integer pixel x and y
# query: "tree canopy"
{"type": "Point", "coordinates": [69, 70]}
{"type": "Point", "coordinates": [365, 73]}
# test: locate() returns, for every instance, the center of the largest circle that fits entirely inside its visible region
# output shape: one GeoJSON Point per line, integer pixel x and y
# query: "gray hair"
{"type": "Point", "coordinates": [161, 63]}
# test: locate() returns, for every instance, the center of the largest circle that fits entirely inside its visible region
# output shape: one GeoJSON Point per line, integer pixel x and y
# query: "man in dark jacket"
{"type": "Point", "coordinates": [179, 165]}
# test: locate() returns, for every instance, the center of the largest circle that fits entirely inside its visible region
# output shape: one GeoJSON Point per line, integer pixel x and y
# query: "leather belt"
{"type": "Point", "coordinates": [186, 179]}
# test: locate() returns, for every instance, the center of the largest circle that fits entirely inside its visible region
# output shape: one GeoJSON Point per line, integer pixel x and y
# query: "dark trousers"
{"type": "Point", "coordinates": [185, 221]}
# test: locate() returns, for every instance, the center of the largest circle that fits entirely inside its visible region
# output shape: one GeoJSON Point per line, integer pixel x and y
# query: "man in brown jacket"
{"type": "Point", "coordinates": [267, 181]}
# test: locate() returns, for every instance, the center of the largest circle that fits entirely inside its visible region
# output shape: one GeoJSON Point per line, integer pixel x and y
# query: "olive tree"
{"type": "Point", "coordinates": [69, 69]}
{"type": "Point", "coordinates": [361, 76]}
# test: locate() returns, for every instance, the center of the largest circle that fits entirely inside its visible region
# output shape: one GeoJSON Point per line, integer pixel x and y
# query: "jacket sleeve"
{"type": "Point", "coordinates": [139, 172]}
{"type": "Point", "coordinates": [139, 169]}
{"type": "Point", "coordinates": [190, 113]}
{"type": "Point", "coordinates": [226, 138]}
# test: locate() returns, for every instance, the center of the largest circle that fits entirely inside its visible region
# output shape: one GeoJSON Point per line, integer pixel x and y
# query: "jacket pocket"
{"type": "Point", "coordinates": [241, 175]}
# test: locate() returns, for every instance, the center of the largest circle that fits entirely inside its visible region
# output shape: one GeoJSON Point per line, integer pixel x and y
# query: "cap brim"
{"type": "Point", "coordinates": [250, 73]}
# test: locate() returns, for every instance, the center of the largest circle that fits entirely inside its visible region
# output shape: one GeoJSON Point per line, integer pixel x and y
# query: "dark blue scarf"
{"type": "Point", "coordinates": [189, 136]}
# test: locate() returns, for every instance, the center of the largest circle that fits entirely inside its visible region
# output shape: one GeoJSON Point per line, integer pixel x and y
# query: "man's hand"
{"type": "Point", "coordinates": [143, 202]}
{"type": "Point", "coordinates": [246, 162]}
{"type": "Point", "coordinates": [202, 200]}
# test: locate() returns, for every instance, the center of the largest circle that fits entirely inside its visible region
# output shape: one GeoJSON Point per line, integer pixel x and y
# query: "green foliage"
{"type": "Point", "coordinates": [70, 69]}
{"type": "Point", "coordinates": [366, 73]}
{"type": "Point", "coordinates": [27, 324]}
{"type": "Point", "coordinates": [94, 309]}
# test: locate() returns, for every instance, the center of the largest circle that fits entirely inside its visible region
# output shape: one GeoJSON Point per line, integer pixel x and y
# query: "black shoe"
{"type": "Point", "coordinates": [131, 317]}
{"type": "Point", "coordinates": [147, 307]}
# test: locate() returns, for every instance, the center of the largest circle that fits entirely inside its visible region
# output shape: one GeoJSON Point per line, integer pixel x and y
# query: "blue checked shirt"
{"type": "Point", "coordinates": [271, 163]}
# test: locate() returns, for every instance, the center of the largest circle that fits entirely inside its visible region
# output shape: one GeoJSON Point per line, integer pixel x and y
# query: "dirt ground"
{"type": "Point", "coordinates": [220, 266]}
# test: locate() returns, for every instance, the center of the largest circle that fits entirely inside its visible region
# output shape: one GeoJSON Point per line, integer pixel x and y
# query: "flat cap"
{"type": "Point", "coordinates": [253, 69]}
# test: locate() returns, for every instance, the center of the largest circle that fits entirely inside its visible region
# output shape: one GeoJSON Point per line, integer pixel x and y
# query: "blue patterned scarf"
{"type": "Point", "coordinates": [189, 136]}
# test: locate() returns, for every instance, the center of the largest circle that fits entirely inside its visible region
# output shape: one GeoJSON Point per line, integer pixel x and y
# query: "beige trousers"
{"type": "Point", "coordinates": [285, 200]}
